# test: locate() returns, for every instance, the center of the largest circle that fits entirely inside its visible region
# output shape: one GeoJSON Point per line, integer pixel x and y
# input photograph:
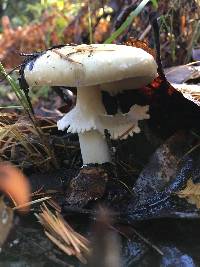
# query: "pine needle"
{"type": "Point", "coordinates": [63, 235]}
{"type": "Point", "coordinates": [31, 203]}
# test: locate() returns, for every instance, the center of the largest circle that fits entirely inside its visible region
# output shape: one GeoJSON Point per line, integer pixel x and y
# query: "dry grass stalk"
{"type": "Point", "coordinates": [54, 205]}
{"type": "Point", "coordinates": [20, 140]}
{"type": "Point", "coordinates": [63, 235]}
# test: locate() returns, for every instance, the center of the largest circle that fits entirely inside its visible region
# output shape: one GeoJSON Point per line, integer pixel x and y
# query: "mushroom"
{"type": "Point", "coordinates": [93, 69]}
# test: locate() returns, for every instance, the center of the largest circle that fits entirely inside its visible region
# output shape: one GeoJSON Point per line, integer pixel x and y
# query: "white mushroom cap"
{"type": "Point", "coordinates": [87, 65]}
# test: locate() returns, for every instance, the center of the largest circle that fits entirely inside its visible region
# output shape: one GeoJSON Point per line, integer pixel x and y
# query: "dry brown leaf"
{"type": "Point", "coordinates": [140, 44]}
{"type": "Point", "coordinates": [191, 193]}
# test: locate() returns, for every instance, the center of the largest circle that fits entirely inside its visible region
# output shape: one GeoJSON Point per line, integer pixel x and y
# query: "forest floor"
{"type": "Point", "coordinates": [150, 206]}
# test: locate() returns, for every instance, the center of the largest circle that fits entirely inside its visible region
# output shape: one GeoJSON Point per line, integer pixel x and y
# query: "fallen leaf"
{"type": "Point", "coordinates": [182, 74]}
{"type": "Point", "coordinates": [191, 193]}
{"type": "Point", "coordinates": [15, 185]}
{"type": "Point", "coordinates": [189, 91]}
{"type": "Point", "coordinates": [196, 54]}
{"type": "Point", "coordinates": [166, 173]}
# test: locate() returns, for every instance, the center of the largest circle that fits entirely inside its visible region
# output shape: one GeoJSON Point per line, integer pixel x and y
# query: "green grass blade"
{"type": "Point", "coordinates": [90, 23]}
{"type": "Point", "coordinates": [155, 3]}
{"type": "Point", "coordinates": [15, 87]}
{"type": "Point", "coordinates": [127, 22]}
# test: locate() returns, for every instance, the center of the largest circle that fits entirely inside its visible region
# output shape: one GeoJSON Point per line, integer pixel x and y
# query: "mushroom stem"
{"type": "Point", "coordinates": [86, 114]}
{"type": "Point", "coordinates": [94, 148]}
{"type": "Point", "coordinates": [84, 119]}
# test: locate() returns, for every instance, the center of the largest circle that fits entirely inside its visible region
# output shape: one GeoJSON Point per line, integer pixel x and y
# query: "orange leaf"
{"type": "Point", "coordinates": [14, 184]}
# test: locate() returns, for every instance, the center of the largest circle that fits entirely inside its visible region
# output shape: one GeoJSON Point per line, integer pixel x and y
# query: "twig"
{"type": "Point", "coordinates": [154, 23]}
{"type": "Point", "coordinates": [145, 32]}
{"type": "Point", "coordinates": [146, 241]}
{"type": "Point", "coordinates": [124, 14]}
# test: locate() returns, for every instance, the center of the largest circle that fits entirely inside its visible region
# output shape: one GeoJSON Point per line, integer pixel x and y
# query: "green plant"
{"type": "Point", "coordinates": [129, 20]}
{"type": "Point", "coordinates": [17, 90]}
